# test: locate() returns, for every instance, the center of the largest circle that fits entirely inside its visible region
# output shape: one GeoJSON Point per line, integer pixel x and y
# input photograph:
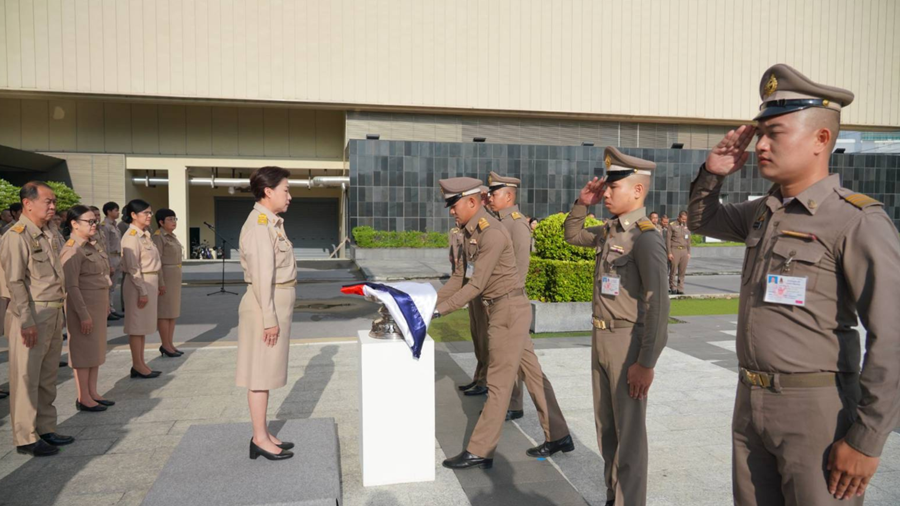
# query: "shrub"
{"type": "Point", "coordinates": [9, 194]}
{"type": "Point", "coordinates": [550, 242]}
{"type": "Point", "coordinates": [65, 196]}
{"type": "Point", "coordinates": [560, 280]}
{"type": "Point", "coordinates": [368, 237]}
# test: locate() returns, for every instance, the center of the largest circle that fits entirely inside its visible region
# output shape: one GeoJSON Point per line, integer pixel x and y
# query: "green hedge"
{"type": "Point", "coordinates": [550, 242]}
{"type": "Point", "coordinates": [65, 196]}
{"type": "Point", "coordinates": [9, 194]}
{"type": "Point", "coordinates": [560, 280]}
{"type": "Point", "coordinates": [367, 237]}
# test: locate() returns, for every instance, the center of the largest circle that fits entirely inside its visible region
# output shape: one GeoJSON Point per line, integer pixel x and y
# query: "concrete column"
{"type": "Point", "coordinates": [179, 200]}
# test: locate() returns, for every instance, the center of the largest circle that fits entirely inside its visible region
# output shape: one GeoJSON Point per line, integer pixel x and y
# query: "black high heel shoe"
{"type": "Point", "coordinates": [81, 407]}
{"type": "Point", "coordinates": [256, 451]}
{"type": "Point", "coordinates": [166, 353]}
{"type": "Point", "coordinates": [105, 402]}
{"type": "Point", "coordinates": [285, 445]}
{"type": "Point", "coordinates": [136, 374]}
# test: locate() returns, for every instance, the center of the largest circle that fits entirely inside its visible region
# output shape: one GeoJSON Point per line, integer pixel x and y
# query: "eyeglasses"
{"type": "Point", "coordinates": [92, 223]}
{"type": "Point", "coordinates": [173, 218]}
{"type": "Point", "coordinates": [147, 212]}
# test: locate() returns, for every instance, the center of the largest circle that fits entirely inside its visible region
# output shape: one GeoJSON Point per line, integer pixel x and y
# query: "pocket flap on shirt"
{"type": "Point", "coordinates": [809, 252]}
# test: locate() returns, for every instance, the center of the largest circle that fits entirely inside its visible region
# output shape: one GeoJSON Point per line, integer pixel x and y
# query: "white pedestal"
{"type": "Point", "coordinates": [396, 413]}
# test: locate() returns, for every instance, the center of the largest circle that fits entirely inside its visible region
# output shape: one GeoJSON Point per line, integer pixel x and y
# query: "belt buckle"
{"type": "Point", "coordinates": [600, 324]}
{"type": "Point", "coordinates": [757, 379]}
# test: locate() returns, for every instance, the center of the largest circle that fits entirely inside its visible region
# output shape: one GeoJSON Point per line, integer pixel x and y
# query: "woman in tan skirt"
{"type": "Point", "coordinates": [141, 264]}
{"type": "Point", "coordinates": [86, 269]}
{"type": "Point", "coordinates": [171, 253]}
{"type": "Point", "coordinates": [266, 310]}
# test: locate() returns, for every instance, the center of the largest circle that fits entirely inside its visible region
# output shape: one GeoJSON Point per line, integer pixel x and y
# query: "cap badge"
{"type": "Point", "coordinates": [771, 86]}
{"type": "Point", "coordinates": [608, 161]}
{"type": "Point", "coordinates": [490, 180]}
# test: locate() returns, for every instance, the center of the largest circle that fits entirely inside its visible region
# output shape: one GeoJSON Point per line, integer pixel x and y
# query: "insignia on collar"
{"type": "Point", "coordinates": [262, 219]}
{"type": "Point", "coordinates": [18, 229]}
{"type": "Point", "coordinates": [454, 230]}
{"type": "Point", "coordinates": [759, 221]}
{"type": "Point", "coordinates": [132, 232]}
{"type": "Point", "coordinates": [771, 86]}
{"type": "Point", "coordinates": [70, 242]}
{"type": "Point", "coordinates": [516, 215]}
{"type": "Point", "coordinates": [483, 224]}
{"type": "Point", "coordinates": [157, 233]}
{"type": "Point", "coordinates": [473, 241]}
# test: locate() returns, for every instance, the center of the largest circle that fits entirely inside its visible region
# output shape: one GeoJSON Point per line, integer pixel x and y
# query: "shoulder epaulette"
{"type": "Point", "coordinates": [860, 200]}
{"type": "Point", "coordinates": [157, 233]}
{"type": "Point", "coordinates": [262, 219]}
{"type": "Point", "coordinates": [646, 225]}
{"type": "Point", "coordinates": [132, 232]}
{"type": "Point", "coordinates": [18, 229]}
{"type": "Point", "coordinates": [483, 224]}
{"type": "Point", "coordinates": [454, 230]}
{"type": "Point", "coordinates": [70, 242]}
{"type": "Point", "coordinates": [516, 215]}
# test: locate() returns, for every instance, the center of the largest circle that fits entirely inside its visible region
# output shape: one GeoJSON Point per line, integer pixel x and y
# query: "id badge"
{"type": "Point", "coordinates": [609, 285]}
{"type": "Point", "coordinates": [470, 270]}
{"type": "Point", "coordinates": [789, 290]}
{"type": "Point", "coordinates": [687, 237]}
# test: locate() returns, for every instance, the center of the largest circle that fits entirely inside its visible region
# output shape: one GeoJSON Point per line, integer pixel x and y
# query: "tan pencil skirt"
{"type": "Point", "coordinates": [141, 322]}
{"type": "Point", "coordinates": [261, 367]}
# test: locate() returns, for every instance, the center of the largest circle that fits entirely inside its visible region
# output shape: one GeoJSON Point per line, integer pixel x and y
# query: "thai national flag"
{"type": "Point", "coordinates": [411, 305]}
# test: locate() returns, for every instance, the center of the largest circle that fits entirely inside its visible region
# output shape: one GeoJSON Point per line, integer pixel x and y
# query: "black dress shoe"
{"type": "Point", "coordinates": [3, 395]}
{"type": "Point", "coordinates": [611, 502]}
{"type": "Point", "coordinates": [256, 451]}
{"type": "Point", "coordinates": [111, 317]}
{"type": "Point", "coordinates": [166, 353]}
{"type": "Point", "coordinates": [465, 460]}
{"type": "Point", "coordinates": [136, 374]}
{"type": "Point", "coordinates": [285, 445]}
{"type": "Point", "coordinates": [679, 292]}
{"type": "Point", "coordinates": [39, 449]}
{"type": "Point", "coordinates": [476, 390]}
{"type": "Point", "coordinates": [466, 387]}
{"type": "Point", "coordinates": [514, 414]}
{"type": "Point", "coordinates": [57, 439]}
{"type": "Point", "coordinates": [81, 407]}
{"type": "Point", "coordinates": [63, 364]}
{"type": "Point", "coordinates": [105, 402]}
{"type": "Point", "coordinates": [547, 449]}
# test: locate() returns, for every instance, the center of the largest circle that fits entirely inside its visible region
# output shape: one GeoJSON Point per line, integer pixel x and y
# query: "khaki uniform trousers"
{"type": "Point", "coordinates": [620, 420]}
{"type": "Point", "coordinates": [679, 265]}
{"type": "Point", "coordinates": [32, 375]}
{"type": "Point", "coordinates": [509, 347]}
{"type": "Point", "coordinates": [478, 326]}
{"type": "Point", "coordinates": [778, 461]}
{"type": "Point", "coordinates": [114, 263]}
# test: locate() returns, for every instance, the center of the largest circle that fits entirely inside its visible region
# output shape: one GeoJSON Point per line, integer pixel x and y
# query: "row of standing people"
{"type": "Point", "coordinates": [49, 283]}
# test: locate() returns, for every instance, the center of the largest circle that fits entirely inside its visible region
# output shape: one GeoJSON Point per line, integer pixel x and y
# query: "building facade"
{"type": "Point", "coordinates": [177, 101]}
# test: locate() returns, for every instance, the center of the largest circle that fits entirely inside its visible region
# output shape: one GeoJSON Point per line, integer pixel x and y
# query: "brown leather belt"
{"type": "Point", "coordinates": [515, 293]}
{"type": "Point", "coordinates": [602, 324]}
{"type": "Point", "coordinates": [797, 380]}
{"type": "Point", "coordinates": [286, 284]}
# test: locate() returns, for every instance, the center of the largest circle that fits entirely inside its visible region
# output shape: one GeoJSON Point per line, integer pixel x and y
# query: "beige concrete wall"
{"type": "Point", "coordinates": [95, 126]}
{"type": "Point", "coordinates": [640, 58]}
{"type": "Point", "coordinates": [97, 179]}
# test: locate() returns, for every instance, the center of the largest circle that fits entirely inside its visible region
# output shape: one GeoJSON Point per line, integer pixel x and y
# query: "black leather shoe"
{"type": "Point", "coordinates": [136, 374]}
{"type": "Point", "coordinates": [679, 292]}
{"type": "Point", "coordinates": [166, 353]}
{"type": "Point", "coordinates": [476, 390]}
{"type": "Point", "coordinates": [285, 445]}
{"type": "Point", "coordinates": [118, 314]}
{"type": "Point", "coordinates": [256, 451]}
{"type": "Point", "coordinates": [63, 364]}
{"type": "Point", "coordinates": [105, 402]}
{"type": "Point", "coordinates": [111, 317]}
{"type": "Point", "coordinates": [81, 407]}
{"type": "Point", "coordinates": [57, 439]}
{"type": "Point", "coordinates": [611, 502]}
{"type": "Point", "coordinates": [514, 414]}
{"type": "Point", "coordinates": [465, 460]}
{"type": "Point", "coordinates": [39, 449]}
{"type": "Point", "coordinates": [466, 387]}
{"type": "Point", "coordinates": [547, 449]}
{"type": "Point", "coordinates": [3, 395]}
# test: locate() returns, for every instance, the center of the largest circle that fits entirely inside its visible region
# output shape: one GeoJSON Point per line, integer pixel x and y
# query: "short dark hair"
{"type": "Point", "coordinates": [73, 214]}
{"type": "Point", "coordinates": [30, 190]}
{"type": "Point", "coordinates": [109, 206]}
{"type": "Point", "coordinates": [654, 212]}
{"type": "Point", "coordinates": [135, 206]}
{"type": "Point", "coordinates": [15, 207]}
{"type": "Point", "coordinates": [96, 210]}
{"type": "Point", "coordinates": [664, 217]}
{"type": "Point", "coordinates": [682, 212]}
{"type": "Point", "coordinates": [266, 177]}
{"type": "Point", "coordinates": [162, 214]}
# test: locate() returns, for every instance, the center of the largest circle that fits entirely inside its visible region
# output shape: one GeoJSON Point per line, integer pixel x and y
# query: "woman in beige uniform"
{"type": "Point", "coordinates": [141, 264]}
{"type": "Point", "coordinates": [86, 269]}
{"type": "Point", "coordinates": [266, 310]}
{"type": "Point", "coordinates": [171, 253]}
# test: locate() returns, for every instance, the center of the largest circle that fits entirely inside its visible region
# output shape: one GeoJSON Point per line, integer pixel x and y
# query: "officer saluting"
{"type": "Point", "coordinates": [631, 311]}
{"type": "Point", "coordinates": [35, 280]}
{"type": "Point", "coordinates": [503, 202]}
{"type": "Point", "coordinates": [495, 278]}
{"type": "Point", "coordinates": [817, 256]}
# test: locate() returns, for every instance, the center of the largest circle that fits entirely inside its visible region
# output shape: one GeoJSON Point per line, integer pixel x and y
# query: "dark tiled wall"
{"type": "Point", "coordinates": [393, 184]}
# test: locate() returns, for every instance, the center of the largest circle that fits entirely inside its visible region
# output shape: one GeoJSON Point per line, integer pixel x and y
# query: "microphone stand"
{"type": "Point", "coordinates": [221, 289]}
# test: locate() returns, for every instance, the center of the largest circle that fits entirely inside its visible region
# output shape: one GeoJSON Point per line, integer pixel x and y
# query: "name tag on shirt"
{"type": "Point", "coordinates": [789, 290]}
{"type": "Point", "coordinates": [687, 237]}
{"type": "Point", "coordinates": [470, 270]}
{"type": "Point", "coordinates": [609, 285]}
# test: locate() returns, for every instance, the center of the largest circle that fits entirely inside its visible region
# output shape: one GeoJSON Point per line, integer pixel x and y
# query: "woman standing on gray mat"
{"type": "Point", "coordinates": [266, 310]}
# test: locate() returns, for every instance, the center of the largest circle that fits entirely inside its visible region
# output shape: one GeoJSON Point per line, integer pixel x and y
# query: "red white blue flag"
{"type": "Point", "coordinates": [410, 304]}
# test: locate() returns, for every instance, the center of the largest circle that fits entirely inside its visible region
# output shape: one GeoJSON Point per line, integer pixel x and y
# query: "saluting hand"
{"type": "Point", "coordinates": [730, 154]}
{"type": "Point", "coordinates": [639, 380]}
{"type": "Point", "coordinates": [592, 191]}
{"type": "Point", "coordinates": [142, 301]}
{"type": "Point", "coordinates": [270, 336]}
{"type": "Point", "coordinates": [850, 470]}
{"type": "Point", "coordinates": [87, 326]}
{"type": "Point", "coordinates": [29, 336]}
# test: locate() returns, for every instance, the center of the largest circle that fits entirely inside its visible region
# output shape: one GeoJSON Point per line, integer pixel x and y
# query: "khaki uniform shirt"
{"type": "Point", "coordinates": [6, 227]}
{"type": "Point", "coordinates": [850, 258]}
{"type": "Point", "coordinates": [267, 257]}
{"type": "Point", "coordinates": [489, 265]}
{"type": "Point", "coordinates": [112, 236]}
{"type": "Point", "coordinates": [679, 235]}
{"type": "Point", "coordinates": [170, 250]}
{"type": "Point", "coordinates": [32, 267]}
{"type": "Point", "coordinates": [638, 259]}
{"type": "Point", "coordinates": [86, 267]}
{"type": "Point", "coordinates": [520, 233]}
{"type": "Point", "coordinates": [139, 255]}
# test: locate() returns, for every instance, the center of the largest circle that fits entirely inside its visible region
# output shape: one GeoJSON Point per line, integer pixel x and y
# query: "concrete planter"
{"type": "Point", "coordinates": [560, 316]}
{"type": "Point", "coordinates": [399, 254]}
{"type": "Point", "coordinates": [717, 252]}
